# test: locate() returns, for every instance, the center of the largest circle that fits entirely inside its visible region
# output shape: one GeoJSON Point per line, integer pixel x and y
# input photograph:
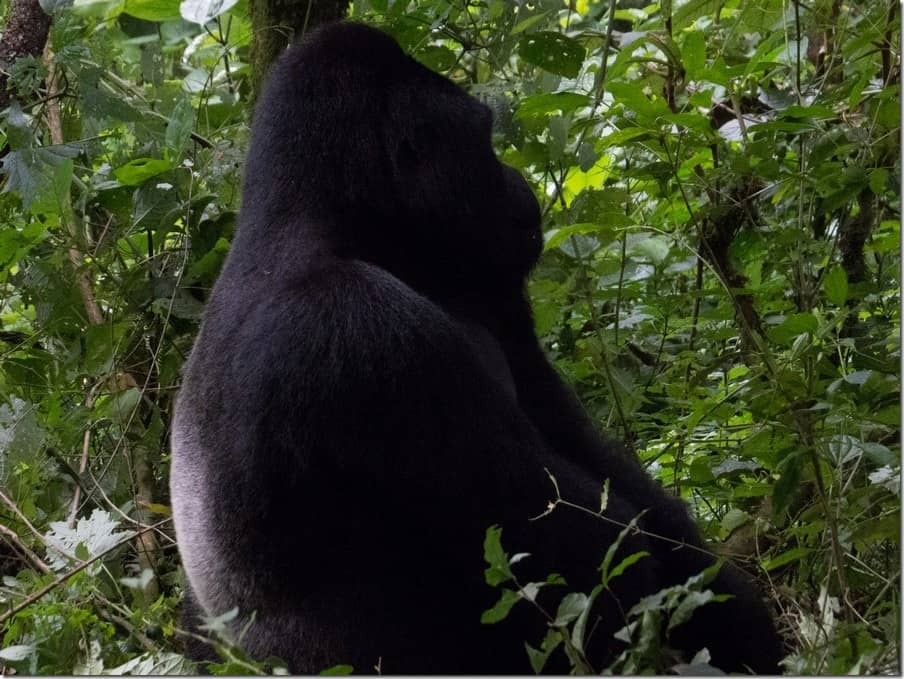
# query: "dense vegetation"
{"type": "Point", "coordinates": [719, 181]}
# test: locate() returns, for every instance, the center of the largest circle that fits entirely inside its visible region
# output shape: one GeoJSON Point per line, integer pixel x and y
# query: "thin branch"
{"type": "Point", "coordinates": [44, 591]}
{"type": "Point", "coordinates": [10, 535]}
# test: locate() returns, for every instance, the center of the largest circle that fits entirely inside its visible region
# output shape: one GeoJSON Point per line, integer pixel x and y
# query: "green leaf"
{"type": "Point", "coordinates": [108, 9]}
{"type": "Point", "coordinates": [555, 237]}
{"type": "Point", "coordinates": [610, 552]}
{"type": "Point", "coordinates": [570, 608]}
{"type": "Point", "coordinates": [878, 178]}
{"type": "Point", "coordinates": [97, 101]}
{"type": "Point", "coordinates": [178, 129]}
{"type": "Point", "coordinates": [693, 53]}
{"type": "Point", "coordinates": [140, 170]}
{"type": "Point", "coordinates": [120, 406]}
{"type": "Point", "coordinates": [734, 518]}
{"type": "Point", "coordinates": [787, 557]}
{"type": "Point", "coordinates": [792, 326]}
{"type": "Point", "coordinates": [621, 137]}
{"type": "Point", "coordinates": [551, 642]}
{"type": "Point", "coordinates": [501, 610]}
{"type": "Point", "coordinates": [537, 658]}
{"type": "Point", "coordinates": [40, 177]}
{"type": "Point", "coordinates": [202, 11]}
{"type": "Point", "coordinates": [668, 47]}
{"type": "Point", "coordinates": [17, 652]}
{"type": "Point", "coordinates": [835, 284]}
{"type": "Point", "coordinates": [499, 570]}
{"type": "Point", "coordinates": [579, 631]}
{"type": "Point", "coordinates": [437, 57]}
{"type": "Point", "coordinates": [337, 671]}
{"type": "Point", "coordinates": [692, 10]}
{"type": "Point", "coordinates": [155, 665]}
{"type": "Point", "coordinates": [625, 563]}
{"type": "Point", "coordinates": [689, 603]}
{"type": "Point", "coordinates": [153, 10]}
{"type": "Point", "coordinates": [51, 6]}
{"type": "Point", "coordinates": [523, 25]}
{"type": "Point", "coordinates": [635, 100]}
{"type": "Point", "coordinates": [552, 52]}
{"type": "Point", "coordinates": [18, 128]}
{"type": "Point", "coordinates": [654, 248]}
{"type": "Point", "coordinates": [545, 104]}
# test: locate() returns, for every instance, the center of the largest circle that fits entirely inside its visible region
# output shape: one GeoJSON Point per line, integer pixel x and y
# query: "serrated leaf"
{"type": "Point", "coordinates": [98, 102]}
{"type": "Point", "coordinates": [553, 52]}
{"type": "Point", "coordinates": [90, 537]}
{"type": "Point", "coordinates": [153, 664]}
{"type": "Point", "coordinates": [40, 178]}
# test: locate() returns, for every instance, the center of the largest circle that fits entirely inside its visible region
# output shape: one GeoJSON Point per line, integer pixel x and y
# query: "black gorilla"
{"type": "Point", "coordinates": [367, 396]}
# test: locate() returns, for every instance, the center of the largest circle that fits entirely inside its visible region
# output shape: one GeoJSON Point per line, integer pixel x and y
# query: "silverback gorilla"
{"type": "Point", "coordinates": [367, 395]}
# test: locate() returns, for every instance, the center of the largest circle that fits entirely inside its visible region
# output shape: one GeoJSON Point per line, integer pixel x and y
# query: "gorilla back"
{"type": "Point", "coordinates": [367, 395]}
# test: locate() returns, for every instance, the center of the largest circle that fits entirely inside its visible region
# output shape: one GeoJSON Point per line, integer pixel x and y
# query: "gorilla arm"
{"type": "Point", "coordinates": [561, 420]}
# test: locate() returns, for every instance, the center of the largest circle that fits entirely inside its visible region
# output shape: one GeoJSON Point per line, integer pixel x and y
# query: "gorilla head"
{"type": "Point", "coordinates": [392, 161]}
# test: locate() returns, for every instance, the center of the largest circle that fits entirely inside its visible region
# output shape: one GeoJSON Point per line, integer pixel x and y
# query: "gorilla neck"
{"type": "Point", "coordinates": [426, 262]}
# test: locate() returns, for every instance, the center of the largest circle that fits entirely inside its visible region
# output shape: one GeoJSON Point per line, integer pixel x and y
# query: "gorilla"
{"type": "Point", "coordinates": [367, 395]}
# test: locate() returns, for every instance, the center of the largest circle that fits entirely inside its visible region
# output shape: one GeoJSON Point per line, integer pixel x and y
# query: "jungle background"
{"type": "Point", "coordinates": [719, 182]}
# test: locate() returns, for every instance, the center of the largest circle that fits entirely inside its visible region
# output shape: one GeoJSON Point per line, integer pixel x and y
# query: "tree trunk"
{"type": "Point", "coordinates": [277, 22]}
{"type": "Point", "coordinates": [25, 34]}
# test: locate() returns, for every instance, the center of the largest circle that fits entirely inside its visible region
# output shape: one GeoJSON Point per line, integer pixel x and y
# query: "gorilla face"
{"type": "Point", "coordinates": [394, 161]}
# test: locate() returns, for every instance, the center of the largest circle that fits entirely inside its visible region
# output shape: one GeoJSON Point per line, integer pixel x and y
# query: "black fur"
{"type": "Point", "coordinates": [367, 395]}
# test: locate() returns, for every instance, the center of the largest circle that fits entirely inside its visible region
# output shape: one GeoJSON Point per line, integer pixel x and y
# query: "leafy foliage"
{"type": "Point", "coordinates": [719, 182]}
